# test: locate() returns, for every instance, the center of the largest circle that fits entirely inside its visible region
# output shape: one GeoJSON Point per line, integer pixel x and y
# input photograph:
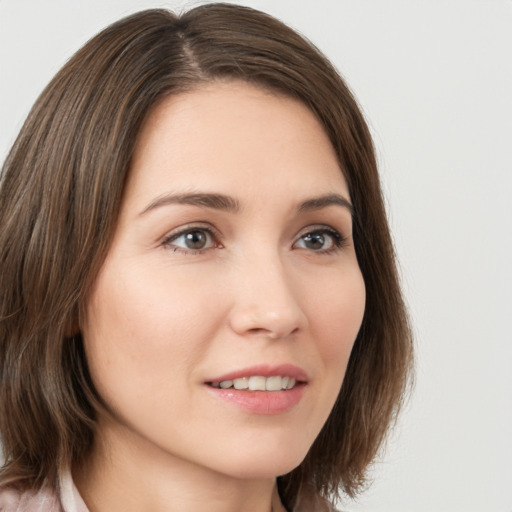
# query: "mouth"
{"type": "Point", "coordinates": [257, 383]}
{"type": "Point", "coordinates": [261, 389]}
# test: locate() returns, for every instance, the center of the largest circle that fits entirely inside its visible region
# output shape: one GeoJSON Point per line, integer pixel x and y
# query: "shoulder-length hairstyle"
{"type": "Point", "coordinates": [61, 188]}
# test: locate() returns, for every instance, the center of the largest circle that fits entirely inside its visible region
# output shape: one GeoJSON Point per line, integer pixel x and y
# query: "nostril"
{"type": "Point", "coordinates": [259, 330]}
{"type": "Point", "coordinates": [271, 333]}
{"type": "Point", "coordinates": [277, 316]}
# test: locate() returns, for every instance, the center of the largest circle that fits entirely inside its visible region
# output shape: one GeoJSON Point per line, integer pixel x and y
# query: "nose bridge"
{"type": "Point", "coordinates": [266, 301]}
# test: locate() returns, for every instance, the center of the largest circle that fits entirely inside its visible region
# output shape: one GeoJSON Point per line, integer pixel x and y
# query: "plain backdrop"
{"type": "Point", "coordinates": [435, 81]}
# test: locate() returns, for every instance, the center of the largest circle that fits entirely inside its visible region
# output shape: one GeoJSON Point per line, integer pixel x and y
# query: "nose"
{"type": "Point", "coordinates": [267, 300]}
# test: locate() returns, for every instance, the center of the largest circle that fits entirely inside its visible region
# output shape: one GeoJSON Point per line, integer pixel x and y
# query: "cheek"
{"type": "Point", "coordinates": [142, 330]}
{"type": "Point", "coordinates": [338, 314]}
{"type": "Point", "coordinates": [335, 314]}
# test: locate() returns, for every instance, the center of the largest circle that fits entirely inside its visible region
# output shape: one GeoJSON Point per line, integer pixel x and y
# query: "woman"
{"type": "Point", "coordinates": [200, 305]}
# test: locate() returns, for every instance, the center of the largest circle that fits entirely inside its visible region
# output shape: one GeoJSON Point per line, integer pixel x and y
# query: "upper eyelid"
{"type": "Point", "coordinates": [167, 241]}
{"type": "Point", "coordinates": [320, 227]}
{"type": "Point", "coordinates": [182, 230]}
{"type": "Point", "coordinates": [210, 228]}
{"type": "Point", "coordinates": [217, 235]}
{"type": "Point", "coordinates": [334, 233]}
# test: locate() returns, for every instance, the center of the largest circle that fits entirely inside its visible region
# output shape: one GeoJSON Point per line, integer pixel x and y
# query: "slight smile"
{"type": "Point", "coordinates": [258, 383]}
{"type": "Point", "coordinates": [262, 389]}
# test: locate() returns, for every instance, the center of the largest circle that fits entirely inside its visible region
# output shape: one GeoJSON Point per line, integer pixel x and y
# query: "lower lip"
{"type": "Point", "coordinates": [261, 402]}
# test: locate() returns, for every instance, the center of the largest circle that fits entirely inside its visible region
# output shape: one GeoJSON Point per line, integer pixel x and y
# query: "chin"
{"type": "Point", "coordinates": [263, 465]}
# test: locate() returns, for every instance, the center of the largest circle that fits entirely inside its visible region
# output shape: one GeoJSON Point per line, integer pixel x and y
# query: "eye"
{"type": "Point", "coordinates": [320, 240]}
{"type": "Point", "coordinates": [191, 240]}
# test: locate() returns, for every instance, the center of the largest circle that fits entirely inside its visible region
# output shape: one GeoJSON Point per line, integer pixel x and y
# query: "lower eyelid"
{"type": "Point", "coordinates": [337, 239]}
{"type": "Point", "coordinates": [168, 240]}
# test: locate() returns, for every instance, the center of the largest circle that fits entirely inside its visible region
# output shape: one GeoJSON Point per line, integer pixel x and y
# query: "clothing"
{"type": "Point", "coordinates": [69, 500]}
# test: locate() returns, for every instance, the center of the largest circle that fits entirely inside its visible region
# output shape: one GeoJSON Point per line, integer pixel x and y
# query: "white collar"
{"type": "Point", "coordinates": [70, 498]}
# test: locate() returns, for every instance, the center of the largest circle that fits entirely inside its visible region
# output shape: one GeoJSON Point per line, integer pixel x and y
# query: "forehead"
{"type": "Point", "coordinates": [232, 137]}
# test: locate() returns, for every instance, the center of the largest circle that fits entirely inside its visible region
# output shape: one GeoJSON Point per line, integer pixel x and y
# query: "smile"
{"type": "Point", "coordinates": [257, 383]}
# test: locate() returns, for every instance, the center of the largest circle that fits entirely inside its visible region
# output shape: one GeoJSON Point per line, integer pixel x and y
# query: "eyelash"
{"type": "Point", "coordinates": [167, 242]}
{"type": "Point", "coordinates": [338, 240]}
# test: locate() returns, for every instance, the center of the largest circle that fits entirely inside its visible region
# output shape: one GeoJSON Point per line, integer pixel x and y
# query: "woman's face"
{"type": "Point", "coordinates": [232, 264]}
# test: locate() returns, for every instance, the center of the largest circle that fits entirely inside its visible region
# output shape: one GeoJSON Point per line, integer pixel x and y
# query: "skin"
{"type": "Point", "coordinates": [162, 318]}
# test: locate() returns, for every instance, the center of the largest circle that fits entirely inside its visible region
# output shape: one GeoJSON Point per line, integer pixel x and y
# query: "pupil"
{"type": "Point", "coordinates": [195, 240]}
{"type": "Point", "coordinates": [314, 241]}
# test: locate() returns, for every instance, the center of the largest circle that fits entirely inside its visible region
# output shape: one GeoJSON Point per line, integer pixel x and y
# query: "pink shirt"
{"type": "Point", "coordinates": [69, 500]}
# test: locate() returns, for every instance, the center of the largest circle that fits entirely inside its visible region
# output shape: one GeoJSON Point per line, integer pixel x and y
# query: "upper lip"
{"type": "Point", "coordinates": [265, 370]}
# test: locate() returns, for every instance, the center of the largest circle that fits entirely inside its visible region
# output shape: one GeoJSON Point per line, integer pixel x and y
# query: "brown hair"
{"type": "Point", "coordinates": [61, 188]}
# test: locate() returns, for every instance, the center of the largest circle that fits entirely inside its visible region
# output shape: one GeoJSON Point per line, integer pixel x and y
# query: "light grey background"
{"type": "Point", "coordinates": [435, 80]}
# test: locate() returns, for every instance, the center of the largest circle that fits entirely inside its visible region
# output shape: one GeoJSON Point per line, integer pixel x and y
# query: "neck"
{"type": "Point", "coordinates": [123, 475]}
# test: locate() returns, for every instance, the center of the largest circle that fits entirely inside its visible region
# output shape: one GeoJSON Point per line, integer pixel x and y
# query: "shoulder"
{"type": "Point", "coordinates": [312, 502]}
{"type": "Point", "coordinates": [44, 500]}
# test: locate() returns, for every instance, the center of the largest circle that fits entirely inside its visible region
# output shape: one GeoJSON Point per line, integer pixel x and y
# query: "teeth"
{"type": "Point", "coordinates": [273, 384]}
{"type": "Point", "coordinates": [258, 383]}
{"type": "Point", "coordinates": [242, 383]}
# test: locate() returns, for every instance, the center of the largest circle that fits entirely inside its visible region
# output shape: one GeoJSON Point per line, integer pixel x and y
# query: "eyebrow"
{"type": "Point", "coordinates": [317, 203]}
{"type": "Point", "coordinates": [214, 201]}
{"type": "Point", "coordinates": [230, 204]}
